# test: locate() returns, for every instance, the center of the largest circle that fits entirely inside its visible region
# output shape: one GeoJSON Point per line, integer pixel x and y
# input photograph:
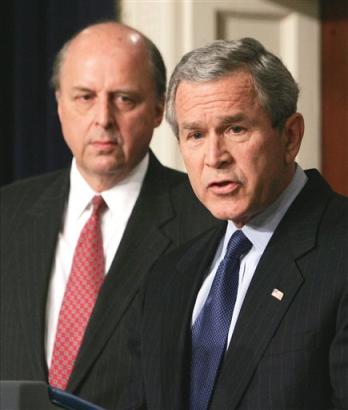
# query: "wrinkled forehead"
{"type": "Point", "coordinates": [237, 84]}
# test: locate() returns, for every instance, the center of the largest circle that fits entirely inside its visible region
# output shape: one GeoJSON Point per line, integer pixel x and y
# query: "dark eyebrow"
{"type": "Point", "coordinates": [225, 120]}
{"type": "Point", "coordinates": [190, 126]}
{"type": "Point", "coordinates": [232, 118]}
{"type": "Point", "coordinates": [130, 92]}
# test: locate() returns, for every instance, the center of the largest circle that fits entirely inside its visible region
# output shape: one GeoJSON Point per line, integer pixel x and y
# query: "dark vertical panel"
{"type": "Point", "coordinates": [28, 88]}
{"type": "Point", "coordinates": [335, 93]}
{"type": "Point", "coordinates": [6, 112]}
{"type": "Point", "coordinates": [33, 31]}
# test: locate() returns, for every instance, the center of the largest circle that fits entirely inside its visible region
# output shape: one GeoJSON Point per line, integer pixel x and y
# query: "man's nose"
{"type": "Point", "coordinates": [104, 113]}
{"type": "Point", "coordinates": [217, 153]}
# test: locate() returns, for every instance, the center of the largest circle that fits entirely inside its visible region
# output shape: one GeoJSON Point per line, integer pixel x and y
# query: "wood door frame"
{"type": "Point", "coordinates": [334, 99]}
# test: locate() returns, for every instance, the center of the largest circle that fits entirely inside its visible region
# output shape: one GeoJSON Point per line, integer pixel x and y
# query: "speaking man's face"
{"type": "Point", "coordinates": [237, 162]}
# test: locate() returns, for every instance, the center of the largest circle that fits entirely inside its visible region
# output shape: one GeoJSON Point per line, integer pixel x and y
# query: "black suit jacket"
{"type": "Point", "coordinates": [165, 215]}
{"type": "Point", "coordinates": [288, 354]}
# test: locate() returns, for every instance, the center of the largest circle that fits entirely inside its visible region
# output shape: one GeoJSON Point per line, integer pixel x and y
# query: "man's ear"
{"type": "Point", "coordinates": [159, 111]}
{"type": "Point", "coordinates": [292, 134]}
{"type": "Point", "coordinates": [57, 95]}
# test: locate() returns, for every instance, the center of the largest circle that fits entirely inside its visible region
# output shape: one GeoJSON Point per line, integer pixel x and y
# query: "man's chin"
{"type": "Point", "coordinates": [108, 166]}
{"type": "Point", "coordinates": [226, 214]}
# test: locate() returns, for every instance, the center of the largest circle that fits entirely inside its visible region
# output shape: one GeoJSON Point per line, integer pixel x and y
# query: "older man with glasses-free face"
{"type": "Point", "coordinates": [69, 275]}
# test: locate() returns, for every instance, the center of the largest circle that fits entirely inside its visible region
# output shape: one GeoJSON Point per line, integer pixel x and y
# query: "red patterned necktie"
{"type": "Point", "coordinates": [86, 277]}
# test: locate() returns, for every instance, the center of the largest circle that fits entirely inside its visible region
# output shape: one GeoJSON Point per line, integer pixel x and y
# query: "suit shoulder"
{"type": "Point", "coordinates": [340, 201]}
{"type": "Point", "coordinates": [26, 191]}
{"type": "Point", "coordinates": [336, 214]}
{"type": "Point", "coordinates": [173, 176]}
{"type": "Point", "coordinates": [180, 187]}
{"type": "Point", "coordinates": [35, 183]}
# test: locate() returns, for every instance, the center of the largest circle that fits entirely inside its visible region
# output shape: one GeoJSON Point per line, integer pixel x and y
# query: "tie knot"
{"type": "Point", "coordinates": [238, 245]}
{"type": "Point", "coordinates": [98, 204]}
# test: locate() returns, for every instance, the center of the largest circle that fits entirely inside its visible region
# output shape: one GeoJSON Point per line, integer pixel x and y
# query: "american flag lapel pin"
{"type": "Point", "coordinates": [276, 293]}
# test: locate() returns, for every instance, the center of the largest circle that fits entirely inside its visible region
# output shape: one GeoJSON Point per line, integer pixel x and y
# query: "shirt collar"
{"type": "Point", "coordinates": [81, 193]}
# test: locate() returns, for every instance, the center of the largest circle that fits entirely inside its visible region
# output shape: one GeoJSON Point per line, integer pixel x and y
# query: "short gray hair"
{"type": "Point", "coordinates": [159, 71]}
{"type": "Point", "coordinates": [275, 87]}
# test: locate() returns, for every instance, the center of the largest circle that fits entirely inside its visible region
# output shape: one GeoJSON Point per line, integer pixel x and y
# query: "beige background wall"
{"type": "Point", "coordinates": [290, 28]}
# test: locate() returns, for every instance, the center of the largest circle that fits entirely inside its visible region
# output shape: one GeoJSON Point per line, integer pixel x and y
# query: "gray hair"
{"type": "Point", "coordinates": [155, 59]}
{"type": "Point", "coordinates": [276, 89]}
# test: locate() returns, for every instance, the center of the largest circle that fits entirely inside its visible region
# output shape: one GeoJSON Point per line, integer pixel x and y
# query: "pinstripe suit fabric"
{"type": "Point", "coordinates": [288, 354]}
{"type": "Point", "coordinates": [165, 215]}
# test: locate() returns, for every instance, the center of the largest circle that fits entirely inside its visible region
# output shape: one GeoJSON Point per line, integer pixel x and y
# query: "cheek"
{"type": "Point", "coordinates": [74, 124]}
{"type": "Point", "coordinates": [76, 135]}
{"type": "Point", "coordinates": [136, 124]}
{"type": "Point", "coordinates": [259, 161]}
{"type": "Point", "coordinates": [252, 168]}
{"type": "Point", "coordinates": [196, 182]}
{"type": "Point", "coordinates": [257, 177]}
{"type": "Point", "coordinates": [75, 145]}
{"type": "Point", "coordinates": [194, 170]}
{"type": "Point", "coordinates": [263, 174]}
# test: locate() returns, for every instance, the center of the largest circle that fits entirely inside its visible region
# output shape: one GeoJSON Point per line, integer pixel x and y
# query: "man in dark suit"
{"type": "Point", "coordinates": [110, 86]}
{"type": "Point", "coordinates": [253, 315]}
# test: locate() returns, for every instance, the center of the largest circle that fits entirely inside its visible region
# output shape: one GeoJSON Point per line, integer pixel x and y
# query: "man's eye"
{"type": "Point", "coordinates": [196, 135]}
{"type": "Point", "coordinates": [235, 129]}
{"type": "Point", "coordinates": [84, 97]}
{"type": "Point", "coordinates": [125, 99]}
{"type": "Point", "coordinates": [124, 102]}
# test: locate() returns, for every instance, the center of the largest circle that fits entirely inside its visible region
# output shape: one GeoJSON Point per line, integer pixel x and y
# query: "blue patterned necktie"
{"type": "Point", "coordinates": [210, 330]}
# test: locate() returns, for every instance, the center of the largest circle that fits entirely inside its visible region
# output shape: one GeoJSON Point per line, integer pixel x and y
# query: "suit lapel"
{"type": "Point", "coordinates": [143, 242]}
{"type": "Point", "coordinates": [258, 321]}
{"type": "Point", "coordinates": [37, 236]}
{"type": "Point", "coordinates": [261, 314]}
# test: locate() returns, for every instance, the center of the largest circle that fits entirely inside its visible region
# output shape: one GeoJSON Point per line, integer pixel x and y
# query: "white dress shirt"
{"type": "Point", "coordinates": [259, 231]}
{"type": "Point", "coordinates": [120, 201]}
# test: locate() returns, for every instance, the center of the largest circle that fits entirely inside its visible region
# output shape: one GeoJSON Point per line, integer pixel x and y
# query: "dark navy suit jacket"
{"type": "Point", "coordinates": [284, 354]}
{"type": "Point", "coordinates": [165, 215]}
